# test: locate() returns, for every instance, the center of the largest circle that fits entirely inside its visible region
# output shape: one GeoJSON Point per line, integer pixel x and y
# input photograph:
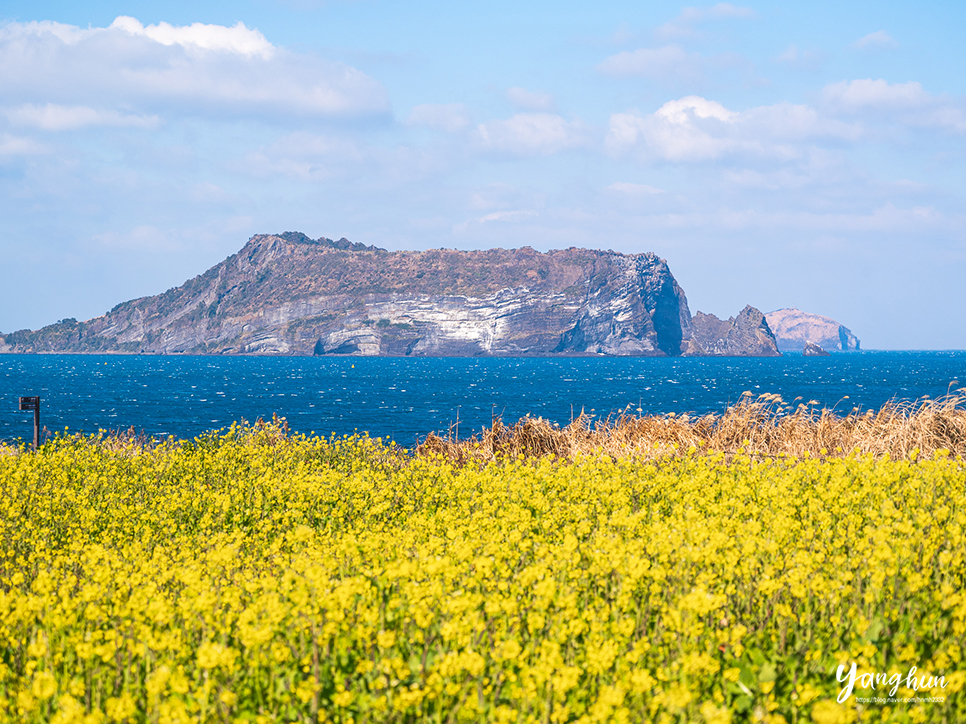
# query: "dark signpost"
{"type": "Point", "coordinates": [33, 403]}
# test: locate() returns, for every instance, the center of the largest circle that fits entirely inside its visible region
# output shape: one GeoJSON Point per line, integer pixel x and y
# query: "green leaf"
{"type": "Point", "coordinates": [873, 632]}
{"type": "Point", "coordinates": [746, 676]}
{"type": "Point", "coordinates": [742, 703]}
{"type": "Point", "coordinates": [767, 673]}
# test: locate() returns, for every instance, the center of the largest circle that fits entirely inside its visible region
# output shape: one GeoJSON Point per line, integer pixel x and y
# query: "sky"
{"type": "Point", "coordinates": [805, 155]}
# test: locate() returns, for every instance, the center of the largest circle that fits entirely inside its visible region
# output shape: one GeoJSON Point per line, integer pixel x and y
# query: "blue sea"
{"type": "Point", "coordinates": [404, 398]}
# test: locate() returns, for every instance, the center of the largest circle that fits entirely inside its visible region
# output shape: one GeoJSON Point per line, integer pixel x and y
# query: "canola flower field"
{"type": "Point", "coordinates": [257, 576]}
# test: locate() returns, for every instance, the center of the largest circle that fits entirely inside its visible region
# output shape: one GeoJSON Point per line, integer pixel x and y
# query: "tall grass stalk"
{"type": "Point", "coordinates": [765, 425]}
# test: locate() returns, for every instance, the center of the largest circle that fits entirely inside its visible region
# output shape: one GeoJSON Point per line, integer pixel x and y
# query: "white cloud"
{"type": "Point", "coordinates": [208, 193]}
{"type": "Point", "coordinates": [506, 216]}
{"type": "Point", "coordinates": [501, 196]}
{"type": "Point", "coordinates": [503, 216]}
{"type": "Point", "coordinates": [449, 117]}
{"type": "Point", "coordinates": [683, 24]}
{"type": "Point", "coordinates": [688, 129]}
{"type": "Point", "coordinates": [780, 179]}
{"type": "Point", "coordinates": [16, 146]}
{"type": "Point", "coordinates": [950, 118]}
{"type": "Point", "coordinates": [236, 39]}
{"type": "Point", "coordinates": [52, 117]}
{"type": "Point", "coordinates": [347, 159]}
{"type": "Point", "coordinates": [682, 111]}
{"type": "Point", "coordinates": [631, 189]}
{"type": "Point", "coordinates": [68, 34]}
{"type": "Point", "coordinates": [306, 156]}
{"type": "Point", "coordinates": [693, 129]}
{"type": "Point", "coordinates": [879, 40]}
{"type": "Point", "coordinates": [529, 134]}
{"type": "Point", "coordinates": [802, 59]}
{"type": "Point", "coordinates": [529, 100]}
{"type": "Point", "coordinates": [141, 238]}
{"type": "Point", "coordinates": [198, 69]}
{"type": "Point", "coordinates": [885, 218]}
{"type": "Point", "coordinates": [150, 239]}
{"type": "Point", "coordinates": [867, 94]}
{"type": "Point", "coordinates": [797, 122]}
{"type": "Point", "coordinates": [906, 103]}
{"type": "Point", "coordinates": [667, 62]}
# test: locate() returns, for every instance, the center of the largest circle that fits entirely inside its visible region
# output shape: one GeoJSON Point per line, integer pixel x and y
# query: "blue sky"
{"type": "Point", "coordinates": [808, 155]}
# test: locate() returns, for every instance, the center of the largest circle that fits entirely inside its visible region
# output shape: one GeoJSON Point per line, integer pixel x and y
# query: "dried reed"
{"type": "Point", "coordinates": [765, 425]}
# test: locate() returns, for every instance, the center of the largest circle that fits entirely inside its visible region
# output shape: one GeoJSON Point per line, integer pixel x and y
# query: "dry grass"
{"type": "Point", "coordinates": [763, 426]}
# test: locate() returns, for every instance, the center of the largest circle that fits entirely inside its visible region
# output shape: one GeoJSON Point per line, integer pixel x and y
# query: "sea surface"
{"type": "Point", "coordinates": [404, 398]}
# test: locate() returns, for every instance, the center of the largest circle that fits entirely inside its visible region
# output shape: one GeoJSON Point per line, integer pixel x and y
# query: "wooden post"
{"type": "Point", "coordinates": [33, 403]}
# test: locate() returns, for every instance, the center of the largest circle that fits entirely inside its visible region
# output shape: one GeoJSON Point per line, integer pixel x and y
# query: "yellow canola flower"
{"type": "Point", "coordinates": [44, 686]}
{"type": "Point", "coordinates": [270, 577]}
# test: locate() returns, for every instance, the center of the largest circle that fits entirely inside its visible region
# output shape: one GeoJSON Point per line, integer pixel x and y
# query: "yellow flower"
{"type": "Point", "coordinates": [120, 708]}
{"type": "Point", "coordinates": [44, 685]}
{"type": "Point", "coordinates": [343, 699]}
{"type": "Point", "coordinates": [829, 712]}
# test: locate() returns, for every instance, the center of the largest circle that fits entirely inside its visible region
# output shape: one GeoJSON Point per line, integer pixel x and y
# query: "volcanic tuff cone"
{"type": "Point", "coordinates": [289, 294]}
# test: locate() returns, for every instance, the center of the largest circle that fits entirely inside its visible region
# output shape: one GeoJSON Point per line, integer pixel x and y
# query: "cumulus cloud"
{"type": "Point", "coordinates": [236, 39]}
{"type": "Point", "coordinates": [694, 129]}
{"type": "Point", "coordinates": [683, 24]}
{"type": "Point", "coordinates": [867, 94]}
{"type": "Point", "coordinates": [669, 61]}
{"type": "Point", "coordinates": [948, 118]}
{"type": "Point", "coordinates": [879, 40]}
{"type": "Point", "coordinates": [906, 103]}
{"type": "Point", "coordinates": [631, 189]}
{"type": "Point", "coordinates": [449, 117]}
{"type": "Point", "coordinates": [52, 117]}
{"type": "Point", "coordinates": [689, 129]}
{"type": "Point", "coordinates": [138, 71]}
{"type": "Point", "coordinates": [530, 100]}
{"type": "Point", "coordinates": [531, 134]}
{"type": "Point", "coordinates": [791, 121]}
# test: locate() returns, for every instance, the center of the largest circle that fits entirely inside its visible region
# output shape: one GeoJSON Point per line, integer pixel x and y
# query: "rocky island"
{"type": "Point", "coordinates": [288, 294]}
{"type": "Point", "coordinates": [795, 330]}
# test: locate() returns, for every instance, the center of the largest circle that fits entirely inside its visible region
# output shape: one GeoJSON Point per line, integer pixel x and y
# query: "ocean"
{"type": "Point", "coordinates": [405, 398]}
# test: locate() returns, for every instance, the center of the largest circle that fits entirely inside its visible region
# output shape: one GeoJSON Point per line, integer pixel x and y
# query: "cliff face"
{"type": "Point", "coordinates": [747, 335]}
{"type": "Point", "coordinates": [289, 294]}
{"type": "Point", "coordinates": [794, 328]}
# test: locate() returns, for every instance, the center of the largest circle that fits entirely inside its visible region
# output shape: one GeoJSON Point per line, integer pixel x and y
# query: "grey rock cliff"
{"type": "Point", "coordinates": [289, 294]}
{"type": "Point", "coordinates": [747, 335]}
